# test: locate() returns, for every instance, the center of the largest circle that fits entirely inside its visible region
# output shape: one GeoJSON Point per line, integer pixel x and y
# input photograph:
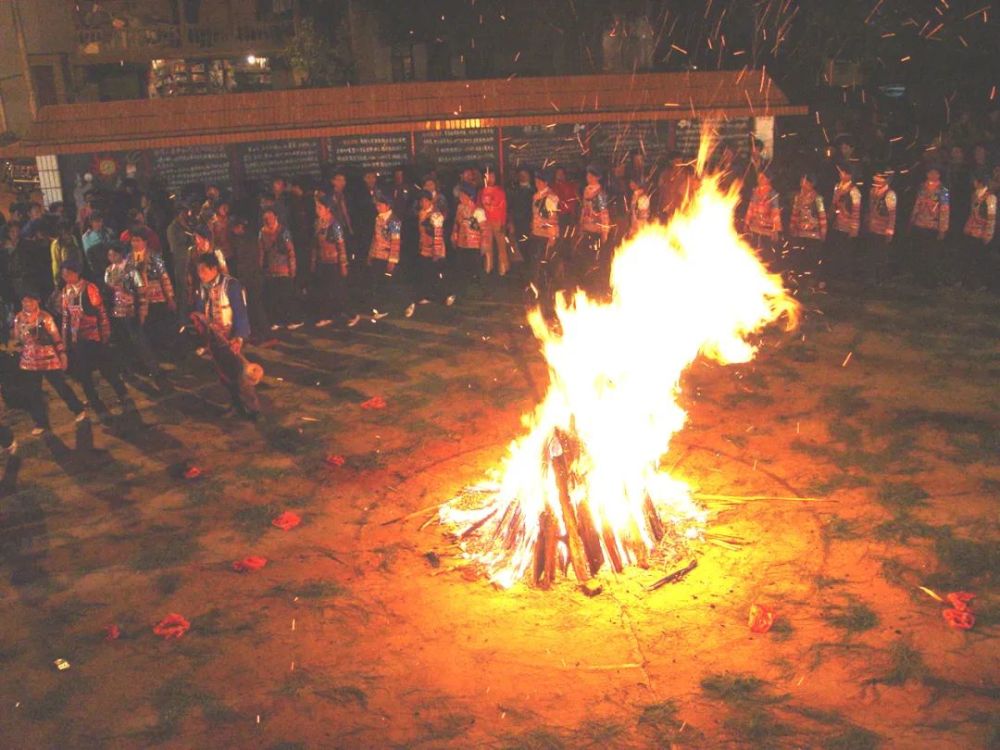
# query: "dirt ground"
{"type": "Point", "coordinates": [355, 636]}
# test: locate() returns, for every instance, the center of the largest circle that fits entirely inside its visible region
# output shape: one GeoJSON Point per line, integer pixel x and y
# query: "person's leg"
{"type": "Point", "coordinates": [486, 250]}
{"type": "Point", "coordinates": [57, 380]}
{"type": "Point", "coordinates": [35, 402]}
{"type": "Point", "coordinates": [109, 371]}
{"type": "Point", "coordinates": [271, 301]}
{"type": "Point", "coordinates": [503, 252]}
{"type": "Point", "coordinates": [81, 369]}
{"type": "Point", "coordinates": [139, 347]}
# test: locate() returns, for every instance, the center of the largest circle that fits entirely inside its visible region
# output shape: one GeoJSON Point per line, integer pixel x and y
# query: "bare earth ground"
{"type": "Point", "coordinates": [351, 637]}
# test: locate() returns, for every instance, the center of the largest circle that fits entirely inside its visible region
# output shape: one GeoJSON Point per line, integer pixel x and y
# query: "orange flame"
{"type": "Point", "coordinates": [688, 289]}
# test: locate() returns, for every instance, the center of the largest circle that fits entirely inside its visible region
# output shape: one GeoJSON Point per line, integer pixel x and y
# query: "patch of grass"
{"type": "Point", "coordinates": [53, 702]}
{"type": "Point", "coordinates": [846, 400]}
{"type": "Point", "coordinates": [782, 629]}
{"type": "Point", "coordinates": [164, 548]}
{"type": "Point", "coordinates": [854, 738]}
{"type": "Point", "coordinates": [756, 726]}
{"type": "Point", "coordinates": [827, 582]}
{"type": "Point", "coordinates": [746, 398]}
{"type": "Point", "coordinates": [963, 560]}
{"type": "Point", "coordinates": [901, 496]}
{"type": "Point", "coordinates": [853, 617]}
{"type": "Point", "coordinates": [448, 726]}
{"type": "Point", "coordinates": [308, 590]}
{"type": "Point", "coordinates": [203, 492]}
{"type": "Point", "coordinates": [253, 521]}
{"type": "Point", "coordinates": [840, 529]}
{"type": "Point", "coordinates": [597, 733]}
{"type": "Point", "coordinates": [344, 695]}
{"type": "Point", "coordinates": [843, 432]}
{"type": "Point", "coordinates": [661, 721]}
{"type": "Point", "coordinates": [218, 622]}
{"type": "Point", "coordinates": [176, 698]}
{"type": "Point", "coordinates": [904, 527]}
{"type": "Point", "coordinates": [839, 482]}
{"type": "Point", "coordinates": [167, 583]}
{"type": "Point", "coordinates": [535, 739]}
{"type": "Point", "coordinates": [736, 687]}
{"type": "Point", "coordinates": [253, 474]}
{"type": "Point", "coordinates": [905, 664]}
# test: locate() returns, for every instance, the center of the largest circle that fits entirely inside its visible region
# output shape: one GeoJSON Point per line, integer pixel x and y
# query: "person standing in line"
{"type": "Point", "coordinates": [342, 213]}
{"type": "Point", "coordinates": [96, 242]}
{"type": "Point", "coordinates": [880, 226]}
{"type": "Point", "coordinates": [542, 256]}
{"type": "Point", "coordinates": [181, 250]}
{"type": "Point", "coordinates": [220, 315]}
{"type": "Point", "coordinates": [592, 252]}
{"type": "Point", "coordinates": [383, 255]}
{"type": "Point", "coordinates": [493, 200]}
{"type": "Point", "coordinates": [762, 222]}
{"type": "Point", "coordinates": [328, 265]}
{"type": "Point", "coordinates": [638, 206]}
{"type": "Point", "coordinates": [64, 247]}
{"type": "Point", "coordinates": [432, 279]}
{"type": "Point", "coordinates": [126, 312]}
{"type": "Point", "coordinates": [146, 277]}
{"type": "Point", "coordinates": [807, 227]}
{"type": "Point", "coordinates": [843, 237]}
{"type": "Point", "coordinates": [247, 254]}
{"type": "Point", "coordinates": [86, 330]}
{"type": "Point", "coordinates": [43, 356]}
{"type": "Point", "coordinates": [519, 199]}
{"type": "Point", "coordinates": [929, 222]}
{"type": "Point", "coordinates": [222, 240]}
{"type": "Point", "coordinates": [977, 264]}
{"type": "Point", "coordinates": [277, 259]}
{"type": "Point", "coordinates": [467, 236]}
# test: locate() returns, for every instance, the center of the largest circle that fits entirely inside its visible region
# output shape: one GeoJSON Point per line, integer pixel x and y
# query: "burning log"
{"type": "Point", "coordinates": [585, 486]}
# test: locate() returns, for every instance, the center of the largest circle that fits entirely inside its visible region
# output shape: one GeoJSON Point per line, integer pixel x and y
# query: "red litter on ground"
{"type": "Point", "coordinates": [375, 402]}
{"type": "Point", "coordinates": [962, 619]}
{"type": "Point", "coordinates": [249, 564]}
{"type": "Point", "coordinates": [335, 460]}
{"type": "Point", "coordinates": [961, 600]}
{"type": "Point", "coordinates": [112, 632]}
{"type": "Point", "coordinates": [172, 626]}
{"type": "Point", "coordinates": [192, 472]}
{"type": "Point", "coordinates": [761, 618]}
{"type": "Point", "coordinates": [286, 521]}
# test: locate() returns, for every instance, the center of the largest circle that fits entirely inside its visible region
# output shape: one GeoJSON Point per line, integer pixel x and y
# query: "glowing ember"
{"type": "Point", "coordinates": [585, 481]}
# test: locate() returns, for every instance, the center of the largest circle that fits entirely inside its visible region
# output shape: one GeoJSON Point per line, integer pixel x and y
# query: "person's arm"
{"type": "Point", "coordinates": [57, 340]}
{"type": "Point", "coordinates": [890, 206]}
{"type": "Point", "coordinates": [821, 212]}
{"type": "Point", "coordinates": [991, 218]}
{"type": "Point", "coordinates": [855, 217]}
{"type": "Point", "coordinates": [290, 249]}
{"type": "Point", "coordinates": [168, 290]}
{"type": "Point", "coordinates": [103, 322]}
{"type": "Point", "coordinates": [945, 217]}
{"type": "Point", "coordinates": [55, 255]}
{"type": "Point", "coordinates": [241, 320]}
{"type": "Point", "coordinates": [776, 227]}
{"type": "Point", "coordinates": [395, 230]}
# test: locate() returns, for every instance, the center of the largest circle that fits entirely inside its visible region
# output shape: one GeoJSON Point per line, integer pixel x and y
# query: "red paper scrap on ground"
{"type": "Point", "coordinates": [962, 619]}
{"type": "Point", "coordinates": [193, 472]}
{"type": "Point", "coordinates": [112, 632]}
{"type": "Point", "coordinates": [286, 521]}
{"type": "Point", "coordinates": [335, 460]}
{"type": "Point", "coordinates": [761, 618]}
{"type": "Point", "coordinates": [249, 564]}
{"type": "Point", "coordinates": [172, 626]}
{"type": "Point", "coordinates": [375, 402]}
{"type": "Point", "coordinates": [960, 600]}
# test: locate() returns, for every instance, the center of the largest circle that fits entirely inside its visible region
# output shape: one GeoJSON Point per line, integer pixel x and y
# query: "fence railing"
{"type": "Point", "coordinates": [164, 37]}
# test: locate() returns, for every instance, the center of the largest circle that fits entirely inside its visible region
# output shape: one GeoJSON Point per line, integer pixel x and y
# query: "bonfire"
{"type": "Point", "coordinates": [585, 487]}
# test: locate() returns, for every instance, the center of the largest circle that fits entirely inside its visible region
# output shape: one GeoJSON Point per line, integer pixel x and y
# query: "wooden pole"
{"type": "Point", "coordinates": [23, 55]}
{"type": "Point", "coordinates": [577, 556]}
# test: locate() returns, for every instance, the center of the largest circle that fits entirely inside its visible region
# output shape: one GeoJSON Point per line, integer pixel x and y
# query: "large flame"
{"type": "Point", "coordinates": [691, 288]}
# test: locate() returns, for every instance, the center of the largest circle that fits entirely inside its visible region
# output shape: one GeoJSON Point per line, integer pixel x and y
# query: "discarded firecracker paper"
{"type": "Point", "coordinates": [192, 472]}
{"type": "Point", "coordinates": [112, 632]}
{"type": "Point", "coordinates": [249, 564]}
{"type": "Point", "coordinates": [962, 619]}
{"type": "Point", "coordinates": [335, 460]}
{"type": "Point", "coordinates": [761, 618]}
{"type": "Point", "coordinates": [286, 521]}
{"type": "Point", "coordinates": [960, 600]}
{"type": "Point", "coordinates": [172, 626]}
{"type": "Point", "coordinates": [61, 664]}
{"type": "Point", "coordinates": [375, 402]}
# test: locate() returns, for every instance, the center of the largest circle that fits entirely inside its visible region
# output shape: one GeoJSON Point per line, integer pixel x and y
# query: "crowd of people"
{"type": "Point", "coordinates": [126, 279]}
